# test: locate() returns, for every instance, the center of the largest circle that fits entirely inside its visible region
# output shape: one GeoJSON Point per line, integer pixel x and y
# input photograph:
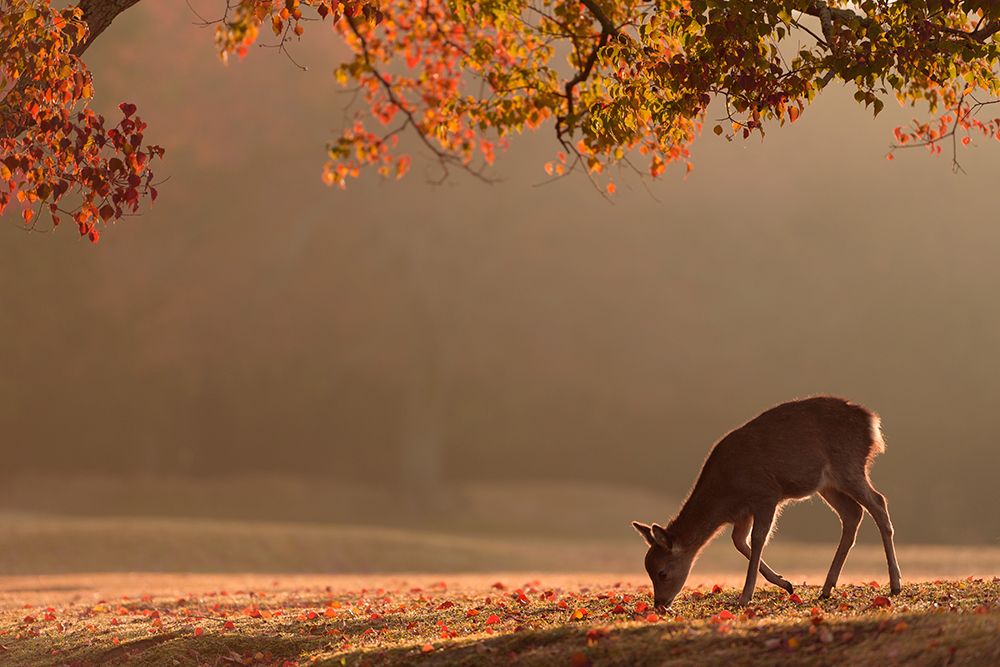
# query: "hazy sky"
{"type": "Point", "coordinates": [256, 320]}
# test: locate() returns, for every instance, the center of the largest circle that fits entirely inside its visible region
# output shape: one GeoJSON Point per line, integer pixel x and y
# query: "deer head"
{"type": "Point", "coordinates": [667, 563]}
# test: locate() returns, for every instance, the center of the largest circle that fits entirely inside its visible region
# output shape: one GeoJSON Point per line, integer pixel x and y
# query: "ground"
{"type": "Point", "coordinates": [485, 619]}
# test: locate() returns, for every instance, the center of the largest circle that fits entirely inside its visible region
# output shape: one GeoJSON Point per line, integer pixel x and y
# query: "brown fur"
{"type": "Point", "coordinates": [822, 445]}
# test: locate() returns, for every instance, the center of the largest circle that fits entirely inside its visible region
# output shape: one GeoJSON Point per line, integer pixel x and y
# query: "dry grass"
{"type": "Point", "coordinates": [484, 619]}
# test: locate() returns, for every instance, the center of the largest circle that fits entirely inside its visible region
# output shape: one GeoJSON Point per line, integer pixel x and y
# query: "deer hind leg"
{"type": "Point", "coordinates": [741, 530]}
{"type": "Point", "coordinates": [875, 503]}
{"type": "Point", "coordinates": [850, 513]}
{"type": "Point", "coordinates": [763, 518]}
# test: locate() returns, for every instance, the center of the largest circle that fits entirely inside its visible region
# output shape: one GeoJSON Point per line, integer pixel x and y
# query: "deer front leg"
{"type": "Point", "coordinates": [850, 513]}
{"type": "Point", "coordinates": [762, 519]}
{"type": "Point", "coordinates": [741, 530]}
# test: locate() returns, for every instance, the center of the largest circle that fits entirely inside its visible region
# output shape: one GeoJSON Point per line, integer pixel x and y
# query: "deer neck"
{"type": "Point", "coordinates": [697, 523]}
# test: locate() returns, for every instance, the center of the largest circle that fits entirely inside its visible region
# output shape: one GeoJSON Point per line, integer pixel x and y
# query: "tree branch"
{"type": "Point", "coordinates": [602, 18]}
{"type": "Point", "coordinates": [827, 15]}
{"type": "Point", "coordinates": [98, 15]}
{"type": "Point", "coordinates": [608, 30]}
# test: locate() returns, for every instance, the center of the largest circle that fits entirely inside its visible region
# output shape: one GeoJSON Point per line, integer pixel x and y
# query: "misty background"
{"type": "Point", "coordinates": [500, 359]}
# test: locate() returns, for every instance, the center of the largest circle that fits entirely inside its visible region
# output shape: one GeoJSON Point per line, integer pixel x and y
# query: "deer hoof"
{"type": "Point", "coordinates": [786, 585]}
{"type": "Point", "coordinates": [825, 595]}
{"type": "Point", "coordinates": [894, 590]}
{"type": "Point", "coordinates": [744, 602]}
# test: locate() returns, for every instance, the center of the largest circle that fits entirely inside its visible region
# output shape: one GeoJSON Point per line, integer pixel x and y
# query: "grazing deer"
{"type": "Point", "coordinates": [819, 445]}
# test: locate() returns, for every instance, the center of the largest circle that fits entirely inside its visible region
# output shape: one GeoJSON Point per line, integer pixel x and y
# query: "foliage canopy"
{"type": "Point", "coordinates": [618, 81]}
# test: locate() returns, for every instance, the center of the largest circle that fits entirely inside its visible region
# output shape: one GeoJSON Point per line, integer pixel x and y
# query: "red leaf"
{"type": "Point", "coordinates": [881, 601]}
{"type": "Point", "coordinates": [127, 109]}
{"type": "Point", "coordinates": [493, 620]}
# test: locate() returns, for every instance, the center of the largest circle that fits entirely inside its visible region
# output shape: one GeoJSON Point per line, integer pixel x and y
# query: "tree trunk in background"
{"type": "Point", "coordinates": [421, 468]}
{"type": "Point", "coordinates": [421, 456]}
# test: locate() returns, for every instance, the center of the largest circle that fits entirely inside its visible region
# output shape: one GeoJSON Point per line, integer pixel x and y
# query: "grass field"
{"type": "Point", "coordinates": [484, 620]}
{"type": "Point", "coordinates": [482, 598]}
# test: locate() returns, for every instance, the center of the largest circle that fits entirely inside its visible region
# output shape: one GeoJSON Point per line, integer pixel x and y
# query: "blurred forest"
{"type": "Point", "coordinates": [258, 325]}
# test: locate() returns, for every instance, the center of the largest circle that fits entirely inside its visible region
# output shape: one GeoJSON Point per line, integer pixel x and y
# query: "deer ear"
{"type": "Point", "coordinates": [645, 531]}
{"type": "Point", "coordinates": [661, 537]}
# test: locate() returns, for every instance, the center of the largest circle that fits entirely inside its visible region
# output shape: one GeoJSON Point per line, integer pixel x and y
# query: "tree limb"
{"type": "Point", "coordinates": [98, 15]}
{"type": "Point", "coordinates": [608, 30]}
{"type": "Point", "coordinates": [602, 18]}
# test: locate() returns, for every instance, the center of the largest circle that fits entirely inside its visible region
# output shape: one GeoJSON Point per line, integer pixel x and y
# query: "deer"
{"type": "Point", "coordinates": [821, 444]}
